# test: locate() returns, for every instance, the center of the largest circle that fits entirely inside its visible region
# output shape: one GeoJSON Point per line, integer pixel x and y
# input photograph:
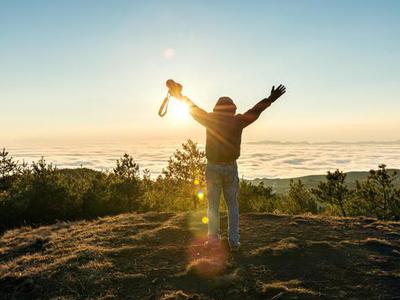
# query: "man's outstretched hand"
{"type": "Point", "coordinates": [276, 93]}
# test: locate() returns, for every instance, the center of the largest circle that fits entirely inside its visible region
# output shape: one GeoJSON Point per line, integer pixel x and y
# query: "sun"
{"type": "Point", "coordinates": [178, 110]}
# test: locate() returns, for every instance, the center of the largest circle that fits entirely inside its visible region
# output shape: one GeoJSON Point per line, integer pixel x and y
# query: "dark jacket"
{"type": "Point", "coordinates": [224, 129]}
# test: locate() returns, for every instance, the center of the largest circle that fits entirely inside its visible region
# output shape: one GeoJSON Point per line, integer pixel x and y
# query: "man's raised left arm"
{"type": "Point", "coordinates": [252, 114]}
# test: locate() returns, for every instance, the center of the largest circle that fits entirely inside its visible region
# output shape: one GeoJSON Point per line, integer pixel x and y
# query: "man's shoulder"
{"type": "Point", "coordinates": [218, 115]}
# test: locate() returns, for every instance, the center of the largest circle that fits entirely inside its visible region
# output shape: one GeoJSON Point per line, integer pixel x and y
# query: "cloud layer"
{"type": "Point", "coordinates": [258, 160]}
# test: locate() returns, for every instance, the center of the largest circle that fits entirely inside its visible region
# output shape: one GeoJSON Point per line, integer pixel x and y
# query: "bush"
{"type": "Point", "coordinates": [334, 191]}
{"type": "Point", "coordinates": [166, 194]}
{"type": "Point", "coordinates": [377, 195]}
{"type": "Point", "coordinates": [187, 165]}
{"type": "Point", "coordinates": [97, 197]}
{"type": "Point", "coordinates": [257, 198]}
{"type": "Point", "coordinates": [300, 200]}
{"type": "Point", "coordinates": [125, 186]}
{"type": "Point", "coordinates": [9, 168]}
{"type": "Point", "coordinates": [182, 184]}
{"type": "Point", "coordinates": [41, 195]}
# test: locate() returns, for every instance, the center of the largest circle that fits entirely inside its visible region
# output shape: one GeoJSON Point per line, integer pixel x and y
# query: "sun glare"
{"type": "Point", "coordinates": [178, 110]}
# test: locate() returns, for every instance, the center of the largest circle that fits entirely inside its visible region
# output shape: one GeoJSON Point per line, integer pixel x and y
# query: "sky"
{"type": "Point", "coordinates": [96, 70]}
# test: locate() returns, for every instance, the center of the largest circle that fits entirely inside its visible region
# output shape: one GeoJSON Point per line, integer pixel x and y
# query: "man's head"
{"type": "Point", "coordinates": [225, 105]}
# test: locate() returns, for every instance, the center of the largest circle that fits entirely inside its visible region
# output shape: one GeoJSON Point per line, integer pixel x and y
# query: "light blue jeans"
{"type": "Point", "coordinates": [221, 177]}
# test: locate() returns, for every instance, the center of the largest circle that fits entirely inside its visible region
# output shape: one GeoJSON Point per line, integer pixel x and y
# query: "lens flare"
{"type": "Point", "coordinates": [169, 53]}
{"type": "Point", "coordinates": [200, 195]}
{"type": "Point", "coordinates": [204, 260]}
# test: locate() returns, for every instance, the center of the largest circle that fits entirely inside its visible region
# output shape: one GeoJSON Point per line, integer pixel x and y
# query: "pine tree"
{"type": "Point", "coordinates": [334, 191]}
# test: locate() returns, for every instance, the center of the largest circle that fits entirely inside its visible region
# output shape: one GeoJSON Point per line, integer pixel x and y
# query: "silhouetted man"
{"type": "Point", "coordinates": [224, 135]}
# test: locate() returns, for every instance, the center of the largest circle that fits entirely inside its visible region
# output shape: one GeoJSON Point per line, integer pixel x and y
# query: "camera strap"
{"type": "Point", "coordinates": [164, 106]}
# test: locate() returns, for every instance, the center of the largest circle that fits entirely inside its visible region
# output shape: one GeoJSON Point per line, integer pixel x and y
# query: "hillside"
{"type": "Point", "coordinates": [160, 256]}
{"type": "Point", "coordinates": [281, 185]}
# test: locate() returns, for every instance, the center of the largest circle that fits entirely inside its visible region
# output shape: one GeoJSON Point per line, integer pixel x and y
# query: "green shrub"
{"type": "Point", "coordinates": [96, 198]}
{"type": "Point", "coordinates": [377, 195]}
{"type": "Point", "coordinates": [334, 191]}
{"type": "Point", "coordinates": [186, 171]}
{"type": "Point", "coordinates": [257, 198]}
{"type": "Point", "coordinates": [125, 185]}
{"type": "Point", "coordinates": [300, 200]}
{"type": "Point", "coordinates": [41, 195]}
{"type": "Point", "coordinates": [9, 169]}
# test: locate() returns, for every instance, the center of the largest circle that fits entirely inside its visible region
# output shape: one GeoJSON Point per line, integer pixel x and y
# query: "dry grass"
{"type": "Point", "coordinates": [161, 256]}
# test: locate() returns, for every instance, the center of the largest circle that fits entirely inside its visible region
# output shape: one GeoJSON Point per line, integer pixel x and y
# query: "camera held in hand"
{"type": "Point", "coordinates": [174, 88]}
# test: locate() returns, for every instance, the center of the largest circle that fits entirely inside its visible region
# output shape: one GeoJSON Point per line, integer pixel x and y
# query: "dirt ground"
{"type": "Point", "coordinates": [161, 256]}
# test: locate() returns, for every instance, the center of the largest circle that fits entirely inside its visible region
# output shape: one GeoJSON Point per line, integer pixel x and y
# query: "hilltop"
{"type": "Point", "coordinates": [160, 256]}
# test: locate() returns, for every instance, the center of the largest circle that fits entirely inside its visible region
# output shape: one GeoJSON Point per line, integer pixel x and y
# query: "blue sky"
{"type": "Point", "coordinates": [96, 69]}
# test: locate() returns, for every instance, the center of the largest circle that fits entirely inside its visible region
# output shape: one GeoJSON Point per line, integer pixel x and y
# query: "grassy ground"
{"type": "Point", "coordinates": [160, 256]}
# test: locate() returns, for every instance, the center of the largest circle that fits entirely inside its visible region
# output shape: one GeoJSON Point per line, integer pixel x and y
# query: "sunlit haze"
{"type": "Point", "coordinates": [96, 70]}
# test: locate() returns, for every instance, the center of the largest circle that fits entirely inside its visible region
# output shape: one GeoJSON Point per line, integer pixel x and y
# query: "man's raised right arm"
{"type": "Point", "coordinates": [199, 114]}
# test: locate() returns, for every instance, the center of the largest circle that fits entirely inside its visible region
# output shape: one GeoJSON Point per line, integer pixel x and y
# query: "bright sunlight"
{"type": "Point", "coordinates": [178, 110]}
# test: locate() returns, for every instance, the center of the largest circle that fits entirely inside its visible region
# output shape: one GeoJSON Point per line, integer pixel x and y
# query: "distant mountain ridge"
{"type": "Point", "coordinates": [281, 185]}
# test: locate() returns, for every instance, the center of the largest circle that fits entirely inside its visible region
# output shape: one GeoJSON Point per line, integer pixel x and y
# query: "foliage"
{"type": "Point", "coordinates": [187, 165]}
{"type": "Point", "coordinates": [300, 200]}
{"type": "Point", "coordinates": [164, 194]}
{"type": "Point", "coordinates": [377, 195]}
{"type": "Point", "coordinates": [8, 169]}
{"type": "Point", "coordinates": [258, 198]}
{"type": "Point", "coordinates": [334, 191]}
{"type": "Point", "coordinates": [185, 176]}
{"type": "Point", "coordinates": [125, 185]}
{"type": "Point", "coordinates": [126, 168]}
{"type": "Point", "coordinates": [41, 193]}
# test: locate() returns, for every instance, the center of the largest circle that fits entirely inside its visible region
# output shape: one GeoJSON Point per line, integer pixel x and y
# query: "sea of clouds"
{"type": "Point", "coordinates": [258, 160]}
